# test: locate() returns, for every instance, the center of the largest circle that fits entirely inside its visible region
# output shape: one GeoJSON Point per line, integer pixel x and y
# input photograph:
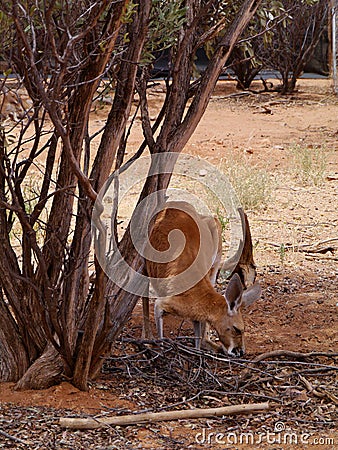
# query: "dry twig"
{"type": "Point", "coordinates": [132, 419]}
{"type": "Point", "coordinates": [317, 393]}
{"type": "Point", "coordinates": [15, 439]}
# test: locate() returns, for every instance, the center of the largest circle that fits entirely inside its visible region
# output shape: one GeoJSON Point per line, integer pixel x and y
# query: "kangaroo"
{"type": "Point", "coordinates": [184, 283]}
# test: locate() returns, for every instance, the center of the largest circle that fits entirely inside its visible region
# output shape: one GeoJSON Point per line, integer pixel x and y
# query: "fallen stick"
{"type": "Point", "coordinates": [279, 353]}
{"type": "Point", "coordinates": [320, 394]}
{"type": "Point", "coordinates": [131, 419]}
{"type": "Point", "coordinates": [316, 247]}
{"type": "Point", "coordinates": [15, 439]}
{"type": "Point", "coordinates": [291, 354]}
{"type": "Point", "coordinates": [312, 256]}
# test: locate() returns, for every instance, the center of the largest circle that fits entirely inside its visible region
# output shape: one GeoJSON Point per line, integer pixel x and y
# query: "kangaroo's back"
{"type": "Point", "coordinates": [184, 241]}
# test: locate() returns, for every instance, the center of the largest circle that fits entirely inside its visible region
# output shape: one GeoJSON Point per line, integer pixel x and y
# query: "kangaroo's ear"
{"type": "Point", "coordinates": [233, 294]}
{"type": "Point", "coordinates": [251, 294]}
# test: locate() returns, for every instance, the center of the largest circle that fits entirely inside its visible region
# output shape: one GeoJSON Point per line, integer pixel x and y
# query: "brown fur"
{"type": "Point", "coordinates": [13, 106]}
{"type": "Point", "coordinates": [199, 302]}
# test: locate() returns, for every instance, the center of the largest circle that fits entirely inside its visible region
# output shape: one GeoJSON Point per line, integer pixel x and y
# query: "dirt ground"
{"type": "Point", "coordinates": [295, 237]}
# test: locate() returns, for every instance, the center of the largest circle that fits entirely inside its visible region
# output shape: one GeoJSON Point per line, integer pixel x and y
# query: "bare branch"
{"type": "Point", "coordinates": [162, 416]}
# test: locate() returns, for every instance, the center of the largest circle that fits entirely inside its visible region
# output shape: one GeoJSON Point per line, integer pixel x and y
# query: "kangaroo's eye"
{"type": "Point", "coordinates": [237, 330]}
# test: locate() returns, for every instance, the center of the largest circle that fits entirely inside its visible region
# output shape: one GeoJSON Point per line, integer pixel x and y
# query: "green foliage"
{"type": "Point", "coordinates": [167, 18]}
{"type": "Point", "coordinates": [282, 253]}
{"type": "Point", "coordinates": [223, 221]}
{"type": "Point", "coordinates": [269, 14]}
{"type": "Point", "coordinates": [129, 12]}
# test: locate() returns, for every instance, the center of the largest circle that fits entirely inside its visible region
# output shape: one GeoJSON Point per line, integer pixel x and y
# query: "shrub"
{"type": "Point", "coordinates": [252, 184]}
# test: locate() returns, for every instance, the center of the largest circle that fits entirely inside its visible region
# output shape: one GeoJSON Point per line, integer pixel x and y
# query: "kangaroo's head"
{"type": "Point", "coordinates": [230, 327]}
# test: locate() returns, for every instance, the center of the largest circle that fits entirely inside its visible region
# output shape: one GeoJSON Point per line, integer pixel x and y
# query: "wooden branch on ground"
{"type": "Point", "coordinates": [313, 256]}
{"type": "Point", "coordinates": [234, 95]}
{"type": "Point", "coordinates": [291, 354]}
{"type": "Point", "coordinates": [311, 389]}
{"type": "Point", "coordinates": [317, 247]}
{"type": "Point", "coordinates": [134, 419]}
{"type": "Point", "coordinates": [263, 110]}
{"type": "Point", "coordinates": [286, 353]}
{"type": "Point", "coordinates": [15, 439]}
